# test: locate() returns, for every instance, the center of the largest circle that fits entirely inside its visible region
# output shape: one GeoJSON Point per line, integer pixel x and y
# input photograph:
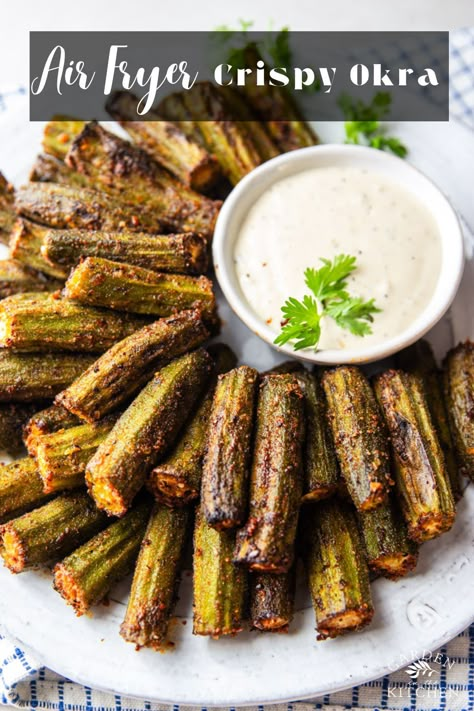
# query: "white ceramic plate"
{"type": "Point", "coordinates": [420, 613]}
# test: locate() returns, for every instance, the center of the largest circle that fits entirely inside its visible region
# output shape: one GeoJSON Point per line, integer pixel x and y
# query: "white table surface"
{"type": "Point", "coordinates": [18, 19]}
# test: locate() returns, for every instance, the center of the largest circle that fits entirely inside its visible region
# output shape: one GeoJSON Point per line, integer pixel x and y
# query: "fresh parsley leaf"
{"type": "Point", "coordinates": [389, 143]}
{"type": "Point", "coordinates": [279, 50]}
{"type": "Point", "coordinates": [356, 110]}
{"type": "Point", "coordinates": [353, 314]}
{"type": "Point", "coordinates": [362, 124]}
{"type": "Point", "coordinates": [303, 323]}
{"type": "Point", "coordinates": [330, 298]}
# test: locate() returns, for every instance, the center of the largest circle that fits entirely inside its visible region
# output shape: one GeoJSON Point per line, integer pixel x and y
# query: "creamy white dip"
{"type": "Point", "coordinates": [327, 211]}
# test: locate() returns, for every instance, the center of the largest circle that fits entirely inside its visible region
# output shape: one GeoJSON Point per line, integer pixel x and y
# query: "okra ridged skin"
{"type": "Point", "coordinates": [100, 282]}
{"type": "Point", "coordinates": [419, 360]}
{"type": "Point", "coordinates": [321, 470]}
{"type": "Point", "coordinates": [219, 586]}
{"type": "Point", "coordinates": [85, 577]}
{"type": "Point", "coordinates": [43, 322]}
{"type": "Point", "coordinates": [128, 173]}
{"type": "Point", "coordinates": [29, 377]}
{"type": "Point", "coordinates": [390, 552]}
{"type": "Point", "coordinates": [459, 393]}
{"type": "Point", "coordinates": [119, 468]}
{"type": "Point", "coordinates": [128, 365]}
{"type": "Point", "coordinates": [336, 568]}
{"type": "Point", "coordinates": [50, 532]}
{"type": "Point", "coordinates": [167, 143]}
{"type": "Point", "coordinates": [225, 473]}
{"type": "Point", "coordinates": [227, 140]}
{"type": "Point", "coordinates": [48, 169]}
{"type": "Point", "coordinates": [51, 419]}
{"type": "Point", "coordinates": [13, 417]}
{"type": "Point", "coordinates": [156, 579]}
{"type": "Point", "coordinates": [180, 253]}
{"type": "Point", "coordinates": [7, 212]}
{"type": "Point", "coordinates": [62, 456]}
{"type": "Point", "coordinates": [58, 135]}
{"type": "Point", "coordinates": [272, 599]}
{"type": "Point", "coordinates": [266, 542]}
{"type": "Point", "coordinates": [359, 436]}
{"type": "Point", "coordinates": [26, 241]}
{"type": "Point", "coordinates": [172, 108]}
{"type": "Point", "coordinates": [75, 207]}
{"type": "Point", "coordinates": [422, 482]}
{"type": "Point", "coordinates": [176, 480]}
{"type": "Point", "coordinates": [21, 488]}
{"type": "Point", "coordinates": [16, 278]}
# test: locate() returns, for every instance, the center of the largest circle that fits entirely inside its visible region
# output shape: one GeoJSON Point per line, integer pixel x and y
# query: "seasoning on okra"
{"type": "Point", "coordinates": [219, 586]}
{"type": "Point", "coordinates": [156, 579]}
{"type": "Point", "coordinates": [178, 253]}
{"type": "Point", "coordinates": [7, 212]}
{"type": "Point", "coordinates": [13, 417]}
{"type": "Point", "coordinates": [359, 436]}
{"type": "Point", "coordinates": [25, 246]}
{"type": "Point", "coordinates": [148, 427]}
{"type": "Point", "coordinates": [266, 542]}
{"type": "Point", "coordinates": [459, 391]}
{"type": "Point", "coordinates": [176, 480]}
{"type": "Point", "coordinates": [21, 488]}
{"type": "Point", "coordinates": [45, 422]}
{"type": "Point", "coordinates": [29, 377]}
{"type": "Point", "coordinates": [272, 599]}
{"type": "Point", "coordinates": [50, 532]}
{"type": "Point", "coordinates": [336, 568]}
{"type": "Point", "coordinates": [58, 135]}
{"type": "Point", "coordinates": [128, 365]}
{"type": "Point", "coordinates": [44, 322]}
{"type": "Point", "coordinates": [100, 282]}
{"type": "Point", "coordinates": [16, 278]}
{"type": "Point", "coordinates": [225, 472]}
{"type": "Point", "coordinates": [422, 481]}
{"type": "Point", "coordinates": [85, 577]}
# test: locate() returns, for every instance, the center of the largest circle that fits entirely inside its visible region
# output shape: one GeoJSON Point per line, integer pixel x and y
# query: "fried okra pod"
{"type": "Point", "coordinates": [225, 472]}
{"type": "Point", "coordinates": [459, 393]}
{"type": "Point", "coordinates": [85, 577]}
{"type": "Point", "coordinates": [156, 579]}
{"type": "Point", "coordinates": [26, 241]}
{"type": "Point", "coordinates": [47, 421]}
{"type": "Point", "coordinates": [219, 586]}
{"type": "Point", "coordinates": [422, 482]}
{"type": "Point", "coordinates": [272, 599]}
{"type": "Point", "coordinates": [21, 488]}
{"type": "Point", "coordinates": [123, 369]}
{"type": "Point", "coordinates": [359, 436]}
{"type": "Point", "coordinates": [7, 212]}
{"type": "Point", "coordinates": [336, 568]}
{"type": "Point", "coordinates": [266, 542]}
{"type": "Point", "coordinates": [50, 532]}
{"type": "Point", "coordinates": [13, 417]}
{"type": "Point", "coordinates": [42, 322]}
{"type": "Point", "coordinates": [15, 278]}
{"type": "Point", "coordinates": [29, 377]}
{"type": "Point", "coordinates": [148, 427]}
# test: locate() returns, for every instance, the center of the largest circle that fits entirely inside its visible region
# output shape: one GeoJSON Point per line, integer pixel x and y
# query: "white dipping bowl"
{"type": "Point", "coordinates": [248, 190]}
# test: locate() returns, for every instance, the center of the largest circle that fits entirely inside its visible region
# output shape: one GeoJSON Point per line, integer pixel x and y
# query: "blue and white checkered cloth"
{"type": "Point", "coordinates": [449, 686]}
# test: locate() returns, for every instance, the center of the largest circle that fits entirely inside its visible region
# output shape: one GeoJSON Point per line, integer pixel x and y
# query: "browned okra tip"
{"type": "Point", "coordinates": [459, 392]}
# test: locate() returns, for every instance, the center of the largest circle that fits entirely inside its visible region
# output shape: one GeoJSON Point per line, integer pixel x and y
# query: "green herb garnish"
{"type": "Point", "coordinates": [329, 297]}
{"type": "Point", "coordinates": [363, 123]}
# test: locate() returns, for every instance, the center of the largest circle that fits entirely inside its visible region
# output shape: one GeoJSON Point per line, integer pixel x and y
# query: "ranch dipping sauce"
{"type": "Point", "coordinates": [324, 212]}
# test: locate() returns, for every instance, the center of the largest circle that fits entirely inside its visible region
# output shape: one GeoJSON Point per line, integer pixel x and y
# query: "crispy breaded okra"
{"type": "Point", "coordinates": [50, 532]}
{"type": "Point", "coordinates": [459, 392]}
{"type": "Point", "coordinates": [219, 586]}
{"type": "Point", "coordinates": [51, 419]}
{"type": "Point", "coordinates": [166, 142]}
{"type": "Point", "coordinates": [182, 253]}
{"type": "Point", "coordinates": [100, 282]}
{"type": "Point", "coordinates": [225, 472]}
{"type": "Point", "coordinates": [85, 577]}
{"type": "Point", "coordinates": [42, 322]}
{"type": "Point", "coordinates": [176, 480]}
{"type": "Point", "coordinates": [266, 542]}
{"type": "Point", "coordinates": [359, 436]}
{"type": "Point", "coordinates": [422, 482]}
{"type": "Point", "coordinates": [128, 365]}
{"type": "Point", "coordinates": [21, 488]}
{"type": "Point", "coordinates": [29, 377]}
{"type": "Point", "coordinates": [148, 427]}
{"type": "Point", "coordinates": [156, 579]}
{"type": "Point", "coordinates": [419, 359]}
{"type": "Point", "coordinates": [128, 173]}
{"type": "Point", "coordinates": [336, 568]}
